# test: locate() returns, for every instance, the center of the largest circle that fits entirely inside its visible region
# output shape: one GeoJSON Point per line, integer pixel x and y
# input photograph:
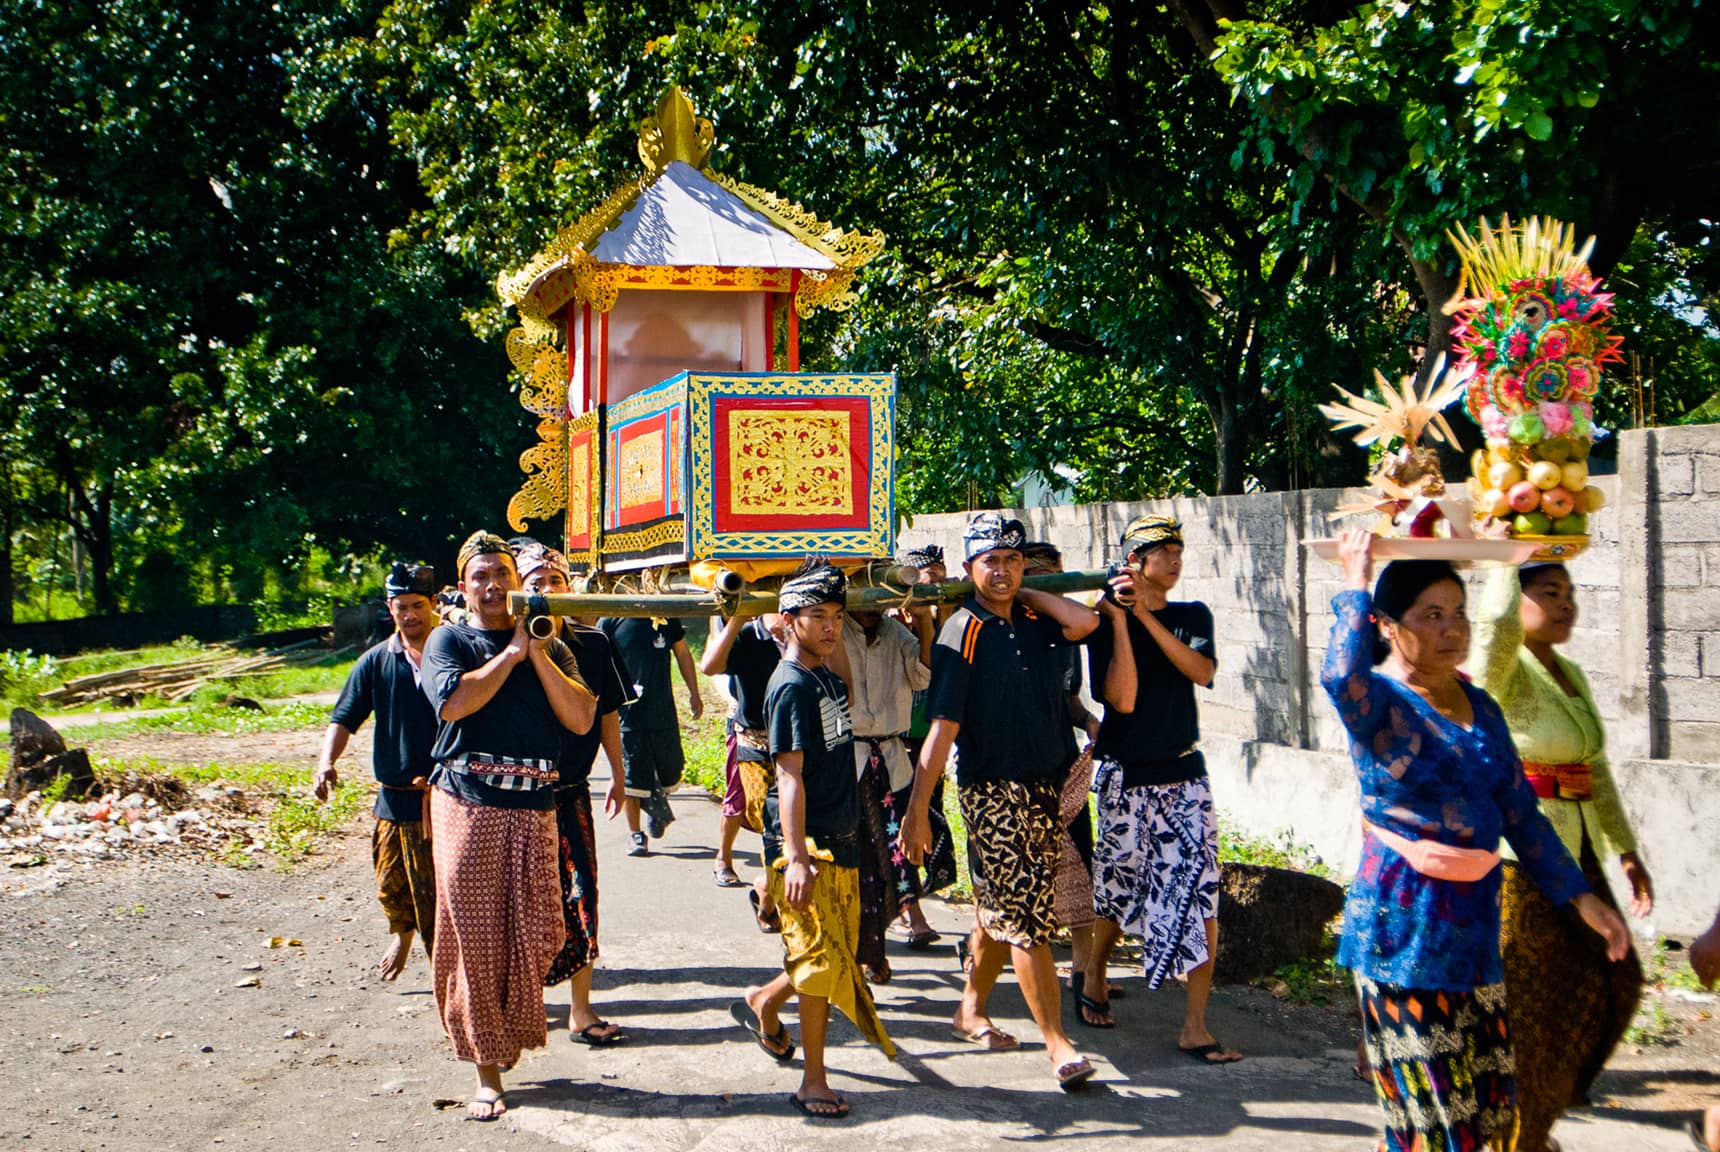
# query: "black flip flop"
{"type": "Point", "coordinates": [748, 1019]}
{"type": "Point", "coordinates": [593, 1035]}
{"type": "Point", "coordinates": [1085, 1004]}
{"type": "Point", "coordinates": [923, 939]}
{"type": "Point", "coordinates": [804, 1107]}
{"type": "Point", "coordinates": [965, 954]}
{"type": "Point", "coordinates": [1200, 1053]}
{"type": "Point", "coordinates": [767, 925]}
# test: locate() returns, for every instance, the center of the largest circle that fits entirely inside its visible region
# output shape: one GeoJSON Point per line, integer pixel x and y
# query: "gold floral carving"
{"type": "Point", "coordinates": [584, 490]}
{"type": "Point", "coordinates": [849, 250]}
{"type": "Point", "coordinates": [789, 463]}
{"type": "Point", "coordinates": [641, 470]}
{"type": "Point", "coordinates": [579, 483]}
{"type": "Point", "coordinates": [832, 290]}
{"type": "Point", "coordinates": [545, 464]}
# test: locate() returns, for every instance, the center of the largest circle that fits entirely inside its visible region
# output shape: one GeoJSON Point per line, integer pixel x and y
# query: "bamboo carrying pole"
{"type": "Point", "coordinates": [750, 603]}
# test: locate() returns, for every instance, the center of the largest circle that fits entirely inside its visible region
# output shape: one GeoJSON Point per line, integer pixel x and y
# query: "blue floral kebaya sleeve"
{"type": "Point", "coordinates": [1425, 777]}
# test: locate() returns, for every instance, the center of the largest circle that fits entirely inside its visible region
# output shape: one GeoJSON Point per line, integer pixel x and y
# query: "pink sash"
{"type": "Point", "coordinates": [1439, 861]}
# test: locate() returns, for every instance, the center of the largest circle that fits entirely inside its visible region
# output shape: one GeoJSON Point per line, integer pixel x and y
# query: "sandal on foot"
{"type": "Point", "coordinates": [924, 938]}
{"type": "Point", "coordinates": [766, 923]}
{"type": "Point", "coordinates": [818, 1108]}
{"type": "Point", "coordinates": [1085, 1004]}
{"type": "Point", "coordinates": [595, 1035]}
{"type": "Point", "coordinates": [1203, 1054]}
{"type": "Point", "coordinates": [984, 1037]}
{"type": "Point", "coordinates": [964, 953]}
{"type": "Point", "coordinates": [748, 1019]}
{"type": "Point", "coordinates": [495, 1102]}
{"type": "Point", "coordinates": [879, 975]}
{"type": "Point", "coordinates": [1072, 1075]}
{"type": "Point", "coordinates": [727, 878]}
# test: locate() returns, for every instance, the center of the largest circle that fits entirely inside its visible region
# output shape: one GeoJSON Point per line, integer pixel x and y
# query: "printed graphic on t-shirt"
{"type": "Point", "coordinates": [834, 718]}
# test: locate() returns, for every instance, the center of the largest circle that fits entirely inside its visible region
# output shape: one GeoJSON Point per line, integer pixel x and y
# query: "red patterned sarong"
{"type": "Point", "coordinates": [498, 925]}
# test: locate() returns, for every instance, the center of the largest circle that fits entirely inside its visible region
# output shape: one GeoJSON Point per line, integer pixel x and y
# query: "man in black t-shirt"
{"type": "Point", "coordinates": [811, 838]}
{"type": "Point", "coordinates": [650, 733]}
{"type": "Point", "coordinates": [998, 696]}
{"type": "Point", "coordinates": [384, 681]}
{"type": "Point", "coordinates": [747, 652]}
{"type": "Point", "coordinates": [1155, 869]}
{"type": "Point", "coordinates": [545, 570]}
{"type": "Point", "coordinates": [506, 702]}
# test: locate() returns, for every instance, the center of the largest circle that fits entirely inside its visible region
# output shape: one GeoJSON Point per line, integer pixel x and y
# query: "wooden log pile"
{"type": "Point", "coordinates": [177, 680]}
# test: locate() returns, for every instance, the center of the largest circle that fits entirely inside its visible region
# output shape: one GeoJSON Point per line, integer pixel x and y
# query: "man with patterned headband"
{"type": "Point", "coordinates": [1155, 869]}
{"type": "Point", "coordinates": [506, 702]}
{"type": "Point", "coordinates": [997, 695]}
{"type": "Point", "coordinates": [545, 570]}
{"type": "Point", "coordinates": [385, 681]}
{"type": "Point", "coordinates": [812, 845]}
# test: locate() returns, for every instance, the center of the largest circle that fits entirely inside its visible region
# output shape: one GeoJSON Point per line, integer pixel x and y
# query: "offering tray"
{"type": "Point", "coordinates": [1512, 550]}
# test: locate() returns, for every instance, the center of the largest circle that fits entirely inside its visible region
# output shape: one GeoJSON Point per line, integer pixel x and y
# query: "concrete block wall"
{"type": "Point", "coordinates": [1648, 639]}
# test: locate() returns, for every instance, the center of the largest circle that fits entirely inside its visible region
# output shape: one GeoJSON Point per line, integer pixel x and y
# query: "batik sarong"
{"type": "Point", "coordinates": [939, 869]}
{"type": "Point", "coordinates": [576, 860]}
{"type": "Point", "coordinates": [819, 943]}
{"type": "Point", "coordinates": [498, 925]}
{"type": "Point", "coordinates": [1013, 835]}
{"type": "Point", "coordinates": [1074, 900]}
{"type": "Point", "coordinates": [880, 902]}
{"type": "Point", "coordinates": [405, 878]}
{"type": "Point", "coordinates": [1155, 868]}
{"type": "Point", "coordinates": [1567, 1004]}
{"type": "Point", "coordinates": [754, 777]}
{"type": "Point", "coordinates": [1441, 1067]}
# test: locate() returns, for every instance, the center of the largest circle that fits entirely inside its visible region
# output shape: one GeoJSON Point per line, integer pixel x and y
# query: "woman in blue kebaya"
{"type": "Point", "coordinates": [1441, 785]}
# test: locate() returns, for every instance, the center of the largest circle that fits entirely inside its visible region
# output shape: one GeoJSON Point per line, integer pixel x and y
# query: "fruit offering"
{"type": "Point", "coordinates": [1408, 488]}
{"type": "Point", "coordinates": [1533, 332]}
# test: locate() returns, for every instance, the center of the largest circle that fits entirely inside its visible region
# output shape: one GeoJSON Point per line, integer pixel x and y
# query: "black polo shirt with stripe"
{"type": "Point", "coordinates": [1002, 680]}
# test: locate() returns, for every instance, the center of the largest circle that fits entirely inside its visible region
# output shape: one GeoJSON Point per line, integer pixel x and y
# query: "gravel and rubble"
{"type": "Point", "coordinates": [151, 817]}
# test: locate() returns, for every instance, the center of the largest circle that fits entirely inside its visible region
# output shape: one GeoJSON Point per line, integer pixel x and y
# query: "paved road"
{"type": "Point", "coordinates": [677, 950]}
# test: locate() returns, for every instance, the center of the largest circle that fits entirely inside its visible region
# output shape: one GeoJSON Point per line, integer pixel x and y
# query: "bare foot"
{"type": "Point", "coordinates": [393, 961]}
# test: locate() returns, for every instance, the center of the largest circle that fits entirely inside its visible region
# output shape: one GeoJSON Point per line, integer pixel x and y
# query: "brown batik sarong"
{"type": "Point", "coordinates": [1013, 837]}
{"type": "Point", "coordinates": [819, 943]}
{"type": "Point", "coordinates": [1073, 905]}
{"type": "Point", "coordinates": [498, 925]}
{"type": "Point", "coordinates": [405, 877]}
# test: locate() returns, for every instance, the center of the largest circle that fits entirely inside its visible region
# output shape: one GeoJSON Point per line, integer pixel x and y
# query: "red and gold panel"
{"type": "Point", "coordinates": [644, 481]}
{"type": "Point", "coordinates": [783, 464]}
{"type": "Point", "coordinates": [583, 490]}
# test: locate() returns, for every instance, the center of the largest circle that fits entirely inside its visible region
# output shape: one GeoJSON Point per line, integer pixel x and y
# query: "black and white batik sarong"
{"type": "Point", "coordinates": [1155, 868]}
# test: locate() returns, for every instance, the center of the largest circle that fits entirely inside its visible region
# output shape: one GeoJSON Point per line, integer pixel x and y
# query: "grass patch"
{"type": "Point", "coordinates": [1653, 1027]}
{"type": "Point", "coordinates": [1280, 851]}
{"type": "Point", "coordinates": [301, 681]}
{"type": "Point", "coordinates": [25, 676]}
{"type": "Point", "coordinates": [206, 719]}
{"type": "Point", "coordinates": [1314, 979]}
{"type": "Point", "coordinates": [1667, 967]}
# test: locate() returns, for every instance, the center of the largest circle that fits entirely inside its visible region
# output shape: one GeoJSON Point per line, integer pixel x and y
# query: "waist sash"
{"type": "Point", "coordinates": [1560, 781]}
{"type": "Point", "coordinates": [509, 773]}
{"type": "Point", "coordinates": [1436, 860]}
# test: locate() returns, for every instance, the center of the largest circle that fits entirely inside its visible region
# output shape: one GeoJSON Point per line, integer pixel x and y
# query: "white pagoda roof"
{"type": "Point", "coordinates": [685, 219]}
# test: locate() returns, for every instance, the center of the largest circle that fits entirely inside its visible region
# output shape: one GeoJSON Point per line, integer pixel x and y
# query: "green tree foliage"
{"type": "Point", "coordinates": [209, 360]}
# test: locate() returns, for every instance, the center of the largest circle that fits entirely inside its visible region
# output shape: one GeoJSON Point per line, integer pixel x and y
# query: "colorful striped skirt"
{"type": "Point", "coordinates": [1441, 1067]}
{"type": "Point", "coordinates": [577, 858]}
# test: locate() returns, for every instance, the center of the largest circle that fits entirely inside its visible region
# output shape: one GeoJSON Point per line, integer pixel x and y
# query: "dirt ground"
{"type": "Point", "coordinates": [141, 1005]}
{"type": "Point", "coordinates": [294, 746]}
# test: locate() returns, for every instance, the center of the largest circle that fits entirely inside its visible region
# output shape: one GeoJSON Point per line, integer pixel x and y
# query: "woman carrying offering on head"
{"type": "Point", "coordinates": [1568, 1005]}
{"type": "Point", "coordinates": [1441, 788]}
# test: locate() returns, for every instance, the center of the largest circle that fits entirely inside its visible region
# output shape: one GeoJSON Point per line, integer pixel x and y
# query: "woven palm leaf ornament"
{"type": "Point", "coordinates": [1408, 478]}
{"type": "Point", "coordinates": [1533, 333]}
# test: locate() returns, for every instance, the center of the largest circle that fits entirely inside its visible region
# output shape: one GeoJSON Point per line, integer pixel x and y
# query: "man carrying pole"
{"type": "Point", "coordinates": [505, 701]}
{"type": "Point", "coordinates": [997, 695]}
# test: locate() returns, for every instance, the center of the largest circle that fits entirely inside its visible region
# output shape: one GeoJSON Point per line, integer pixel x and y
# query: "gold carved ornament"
{"type": "Point", "coordinates": [668, 532]}
{"type": "Point", "coordinates": [583, 505]}
{"type": "Point", "coordinates": [545, 464]}
{"type": "Point", "coordinates": [640, 470]}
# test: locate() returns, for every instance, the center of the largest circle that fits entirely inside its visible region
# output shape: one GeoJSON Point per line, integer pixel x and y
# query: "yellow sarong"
{"type": "Point", "coordinates": [819, 943]}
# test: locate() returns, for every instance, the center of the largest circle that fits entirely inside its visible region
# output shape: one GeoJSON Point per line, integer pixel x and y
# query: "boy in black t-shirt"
{"type": "Point", "coordinates": [650, 732]}
{"type": "Point", "coordinates": [811, 837]}
{"type": "Point", "coordinates": [747, 652]}
{"type": "Point", "coordinates": [1155, 869]}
